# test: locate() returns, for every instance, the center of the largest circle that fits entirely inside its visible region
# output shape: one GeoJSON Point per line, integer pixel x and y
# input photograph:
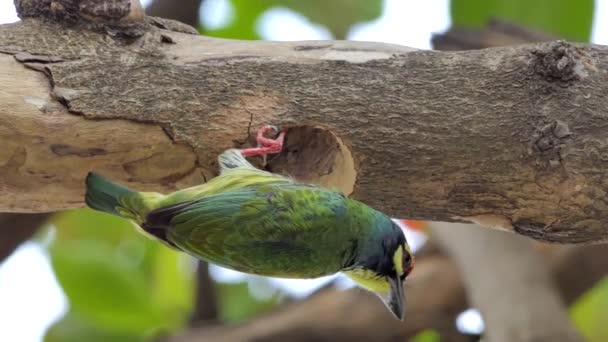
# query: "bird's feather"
{"type": "Point", "coordinates": [286, 230]}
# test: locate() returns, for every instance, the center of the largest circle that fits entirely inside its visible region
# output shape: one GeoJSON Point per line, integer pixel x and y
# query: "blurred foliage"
{"type": "Point", "coordinates": [337, 15]}
{"type": "Point", "coordinates": [571, 19]}
{"type": "Point", "coordinates": [117, 281]}
{"type": "Point", "coordinates": [427, 335]}
{"type": "Point", "coordinates": [72, 328]}
{"type": "Point", "coordinates": [590, 313]}
{"type": "Point", "coordinates": [123, 286]}
{"type": "Point", "coordinates": [239, 305]}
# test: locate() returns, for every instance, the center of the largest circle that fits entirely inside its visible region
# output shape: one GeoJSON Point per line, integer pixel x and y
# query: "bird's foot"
{"type": "Point", "coordinates": [266, 145]}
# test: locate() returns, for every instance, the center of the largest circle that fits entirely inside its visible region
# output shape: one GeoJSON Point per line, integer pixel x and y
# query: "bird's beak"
{"type": "Point", "coordinates": [395, 300]}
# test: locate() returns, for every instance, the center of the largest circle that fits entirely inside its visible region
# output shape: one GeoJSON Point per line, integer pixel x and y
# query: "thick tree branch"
{"type": "Point", "coordinates": [509, 137]}
{"type": "Point", "coordinates": [524, 294]}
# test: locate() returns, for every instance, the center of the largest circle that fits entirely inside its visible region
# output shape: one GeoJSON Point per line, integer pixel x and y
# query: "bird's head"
{"type": "Point", "coordinates": [381, 266]}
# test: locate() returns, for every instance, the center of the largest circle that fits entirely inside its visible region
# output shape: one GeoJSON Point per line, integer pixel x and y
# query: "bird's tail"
{"type": "Point", "coordinates": [112, 198]}
{"type": "Point", "coordinates": [104, 195]}
{"type": "Point", "coordinates": [233, 159]}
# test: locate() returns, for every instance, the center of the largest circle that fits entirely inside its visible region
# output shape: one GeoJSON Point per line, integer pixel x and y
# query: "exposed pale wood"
{"type": "Point", "coordinates": [46, 151]}
{"type": "Point", "coordinates": [512, 134]}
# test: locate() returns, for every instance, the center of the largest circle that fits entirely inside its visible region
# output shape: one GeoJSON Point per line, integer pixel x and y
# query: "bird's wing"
{"type": "Point", "coordinates": [230, 179]}
{"type": "Point", "coordinates": [276, 230]}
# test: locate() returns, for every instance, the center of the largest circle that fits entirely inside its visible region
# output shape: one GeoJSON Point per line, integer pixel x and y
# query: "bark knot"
{"type": "Point", "coordinates": [121, 18]}
{"type": "Point", "coordinates": [559, 61]}
{"type": "Point", "coordinates": [548, 141]}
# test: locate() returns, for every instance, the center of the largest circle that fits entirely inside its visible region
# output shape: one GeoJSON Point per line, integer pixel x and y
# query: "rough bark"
{"type": "Point", "coordinates": [509, 282]}
{"type": "Point", "coordinates": [503, 322]}
{"type": "Point", "coordinates": [511, 137]}
{"type": "Point", "coordinates": [535, 301]}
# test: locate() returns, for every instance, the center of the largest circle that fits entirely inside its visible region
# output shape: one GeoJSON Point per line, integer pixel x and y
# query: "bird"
{"type": "Point", "coordinates": [257, 222]}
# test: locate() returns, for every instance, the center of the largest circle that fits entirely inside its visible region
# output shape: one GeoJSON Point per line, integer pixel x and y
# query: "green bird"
{"type": "Point", "coordinates": [262, 223]}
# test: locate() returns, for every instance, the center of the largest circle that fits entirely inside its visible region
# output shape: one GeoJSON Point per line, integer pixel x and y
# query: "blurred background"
{"type": "Point", "coordinates": [81, 275]}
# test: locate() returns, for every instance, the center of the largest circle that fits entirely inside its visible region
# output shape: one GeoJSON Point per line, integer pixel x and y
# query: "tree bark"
{"type": "Point", "coordinates": [509, 282]}
{"type": "Point", "coordinates": [528, 297]}
{"type": "Point", "coordinates": [509, 137]}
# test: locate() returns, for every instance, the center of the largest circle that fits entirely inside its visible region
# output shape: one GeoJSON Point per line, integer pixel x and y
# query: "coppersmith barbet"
{"type": "Point", "coordinates": [262, 223]}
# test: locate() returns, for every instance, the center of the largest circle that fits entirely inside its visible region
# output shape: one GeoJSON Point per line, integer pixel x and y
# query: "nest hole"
{"type": "Point", "coordinates": [316, 155]}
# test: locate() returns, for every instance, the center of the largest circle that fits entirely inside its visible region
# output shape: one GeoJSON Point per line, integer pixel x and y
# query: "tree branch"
{"type": "Point", "coordinates": [508, 282]}
{"type": "Point", "coordinates": [508, 136]}
{"type": "Point", "coordinates": [186, 12]}
{"type": "Point", "coordinates": [532, 302]}
{"type": "Point", "coordinates": [17, 228]}
{"type": "Point", "coordinates": [495, 33]}
{"type": "Point", "coordinates": [205, 303]}
{"type": "Point", "coordinates": [435, 296]}
{"type": "Point", "coordinates": [577, 269]}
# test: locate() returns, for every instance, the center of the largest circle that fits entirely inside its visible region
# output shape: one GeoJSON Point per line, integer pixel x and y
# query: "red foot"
{"type": "Point", "coordinates": [265, 145]}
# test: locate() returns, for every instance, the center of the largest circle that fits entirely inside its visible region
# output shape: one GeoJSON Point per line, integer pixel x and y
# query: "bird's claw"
{"type": "Point", "coordinates": [266, 145]}
{"type": "Point", "coordinates": [270, 128]}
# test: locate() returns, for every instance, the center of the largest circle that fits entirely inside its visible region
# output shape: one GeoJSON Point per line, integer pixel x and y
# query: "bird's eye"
{"type": "Point", "coordinates": [407, 263]}
{"type": "Point", "coordinates": [407, 259]}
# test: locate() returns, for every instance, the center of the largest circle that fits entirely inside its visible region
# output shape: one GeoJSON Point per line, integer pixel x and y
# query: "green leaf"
{"type": "Point", "coordinates": [173, 281]}
{"type": "Point", "coordinates": [570, 19]}
{"type": "Point", "coordinates": [243, 26]}
{"type": "Point", "coordinates": [428, 335]}
{"type": "Point", "coordinates": [337, 15]}
{"type": "Point", "coordinates": [104, 288]}
{"type": "Point", "coordinates": [72, 328]}
{"type": "Point", "coordinates": [590, 313]}
{"type": "Point", "coordinates": [117, 279]}
{"type": "Point", "coordinates": [87, 223]}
